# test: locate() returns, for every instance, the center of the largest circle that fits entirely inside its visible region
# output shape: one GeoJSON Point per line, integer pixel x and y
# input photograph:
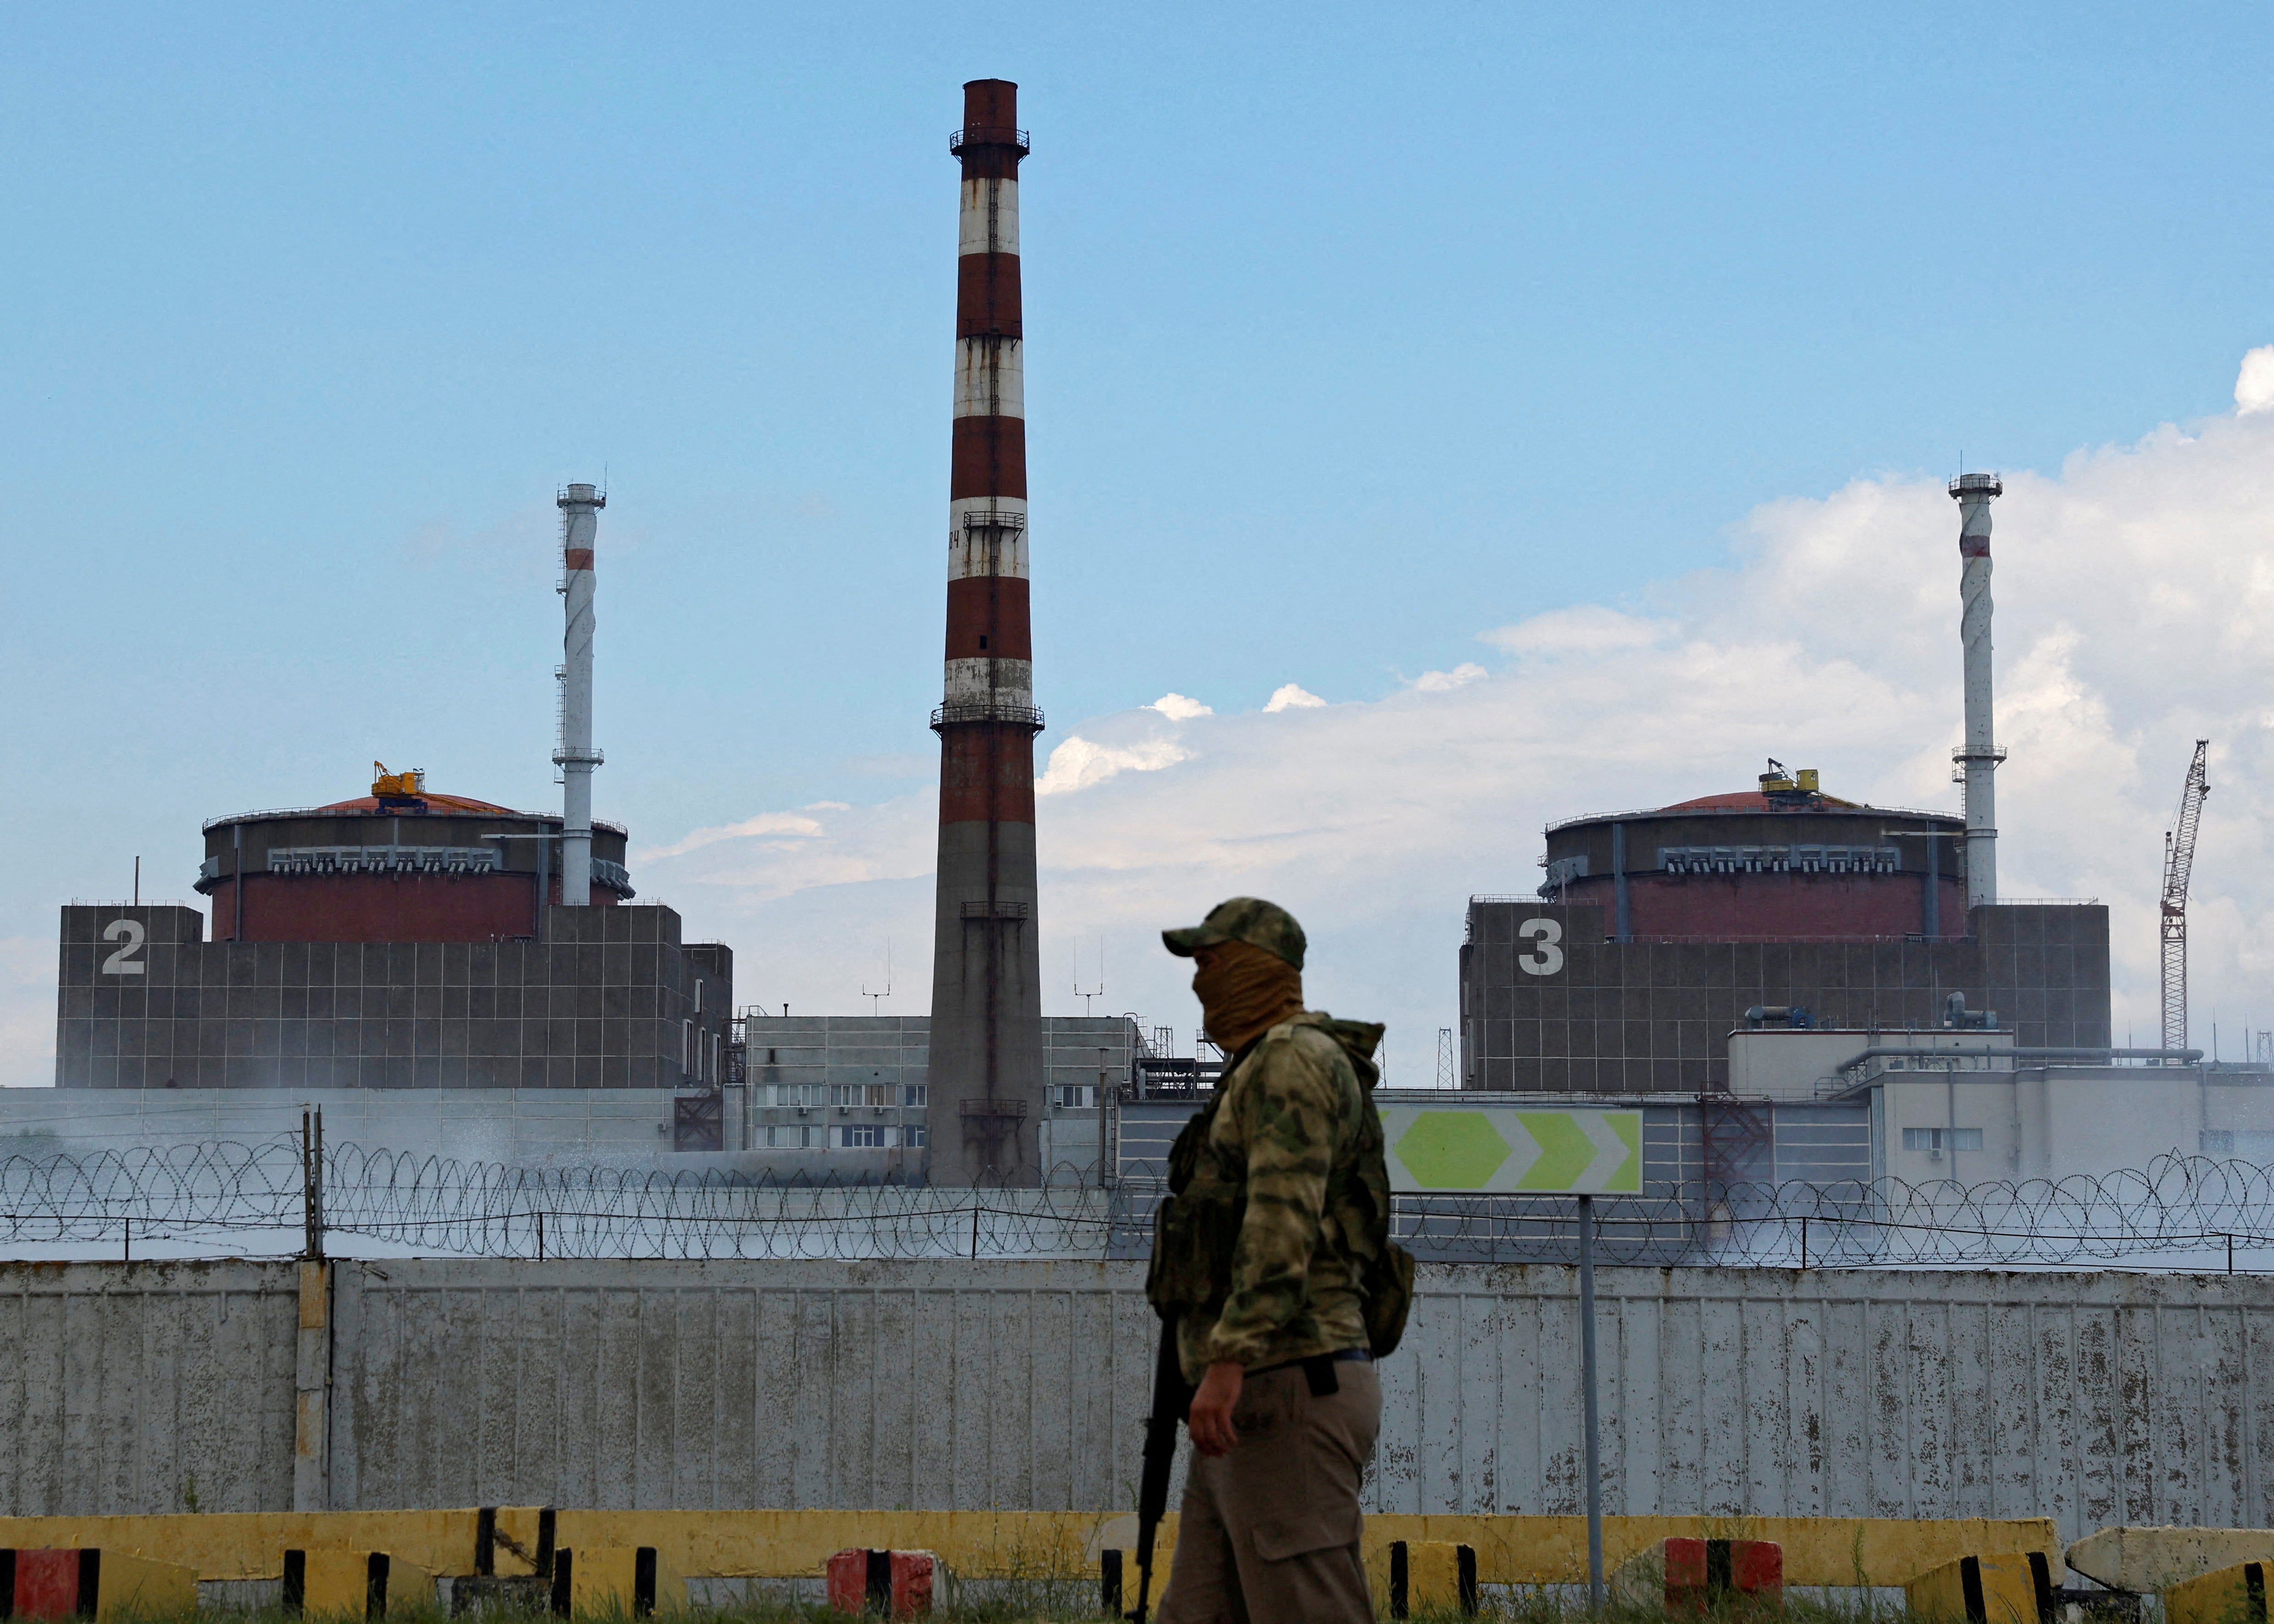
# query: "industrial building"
{"type": "Point", "coordinates": [852, 1095]}
{"type": "Point", "coordinates": [400, 940]}
{"type": "Point", "coordinates": [1974, 1106]}
{"type": "Point", "coordinates": [411, 939]}
{"type": "Point", "coordinates": [1656, 933]}
{"type": "Point", "coordinates": [1700, 912]}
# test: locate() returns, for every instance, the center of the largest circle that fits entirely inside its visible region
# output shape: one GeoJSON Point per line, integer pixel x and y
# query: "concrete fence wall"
{"type": "Point", "coordinates": [2093, 1399]}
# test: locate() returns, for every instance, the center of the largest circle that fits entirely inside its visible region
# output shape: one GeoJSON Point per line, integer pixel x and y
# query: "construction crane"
{"type": "Point", "coordinates": [2179, 861]}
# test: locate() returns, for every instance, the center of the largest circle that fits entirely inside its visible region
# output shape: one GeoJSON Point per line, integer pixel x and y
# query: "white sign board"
{"type": "Point", "coordinates": [1511, 1149]}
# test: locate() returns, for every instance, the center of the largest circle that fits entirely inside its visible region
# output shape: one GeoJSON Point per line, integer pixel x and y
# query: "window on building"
{"type": "Point", "coordinates": [717, 1070]}
{"type": "Point", "coordinates": [914, 1135]}
{"type": "Point", "coordinates": [860, 1136]}
{"type": "Point", "coordinates": [1074, 1096]}
{"type": "Point", "coordinates": [915, 1094]}
{"type": "Point", "coordinates": [791, 1136]}
{"type": "Point", "coordinates": [686, 1047]}
{"type": "Point", "coordinates": [1940, 1139]}
{"type": "Point", "coordinates": [698, 995]}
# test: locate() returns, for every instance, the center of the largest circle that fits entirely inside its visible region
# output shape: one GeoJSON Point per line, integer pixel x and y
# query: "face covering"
{"type": "Point", "coordinates": [1244, 991]}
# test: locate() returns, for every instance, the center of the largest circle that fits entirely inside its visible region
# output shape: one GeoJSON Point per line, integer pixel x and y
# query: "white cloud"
{"type": "Point", "coordinates": [793, 824]}
{"type": "Point", "coordinates": [1177, 708]}
{"type": "Point", "coordinates": [1292, 696]}
{"type": "Point", "coordinates": [1446, 681]}
{"type": "Point", "coordinates": [1586, 628]}
{"type": "Point", "coordinates": [2132, 587]}
{"type": "Point", "coordinates": [1079, 762]}
{"type": "Point", "coordinates": [2253, 385]}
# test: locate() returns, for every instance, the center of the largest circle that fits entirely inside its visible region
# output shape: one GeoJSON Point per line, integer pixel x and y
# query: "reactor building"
{"type": "Point", "coordinates": [1656, 935]}
{"type": "Point", "coordinates": [408, 939]}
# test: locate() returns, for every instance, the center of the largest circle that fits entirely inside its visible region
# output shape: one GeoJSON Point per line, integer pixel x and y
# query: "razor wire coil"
{"type": "Point", "coordinates": [211, 1197]}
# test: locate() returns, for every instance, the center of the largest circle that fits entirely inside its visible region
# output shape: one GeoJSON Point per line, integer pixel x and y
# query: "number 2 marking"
{"type": "Point", "coordinates": [129, 933]}
{"type": "Point", "coordinates": [1545, 959]}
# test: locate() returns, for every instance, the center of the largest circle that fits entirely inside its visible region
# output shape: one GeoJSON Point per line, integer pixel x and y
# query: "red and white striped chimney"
{"type": "Point", "coordinates": [986, 1073]}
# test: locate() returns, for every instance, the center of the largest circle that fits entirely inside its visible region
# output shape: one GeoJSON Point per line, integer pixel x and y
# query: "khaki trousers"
{"type": "Point", "coordinates": [1268, 1534]}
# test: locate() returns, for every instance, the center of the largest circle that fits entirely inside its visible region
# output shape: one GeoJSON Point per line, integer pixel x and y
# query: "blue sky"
{"type": "Point", "coordinates": [1355, 334]}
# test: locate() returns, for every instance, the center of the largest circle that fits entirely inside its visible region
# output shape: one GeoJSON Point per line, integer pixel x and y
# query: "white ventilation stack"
{"type": "Point", "coordinates": [1979, 756]}
{"type": "Point", "coordinates": [580, 506]}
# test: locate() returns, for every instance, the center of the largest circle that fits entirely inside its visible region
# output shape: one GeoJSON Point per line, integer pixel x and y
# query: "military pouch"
{"type": "Point", "coordinates": [1194, 1231]}
{"type": "Point", "coordinates": [1194, 1238]}
{"type": "Point", "coordinates": [1387, 1282]}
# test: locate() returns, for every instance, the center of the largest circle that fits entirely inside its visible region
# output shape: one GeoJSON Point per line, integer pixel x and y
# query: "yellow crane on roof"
{"type": "Point", "coordinates": [386, 785]}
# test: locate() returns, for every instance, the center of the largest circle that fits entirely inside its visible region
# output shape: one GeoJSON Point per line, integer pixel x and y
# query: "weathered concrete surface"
{"type": "Point", "coordinates": [2156, 1558]}
{"type": "Point", "coordinates": [146, 1386]}
{"type": "Point", "coordinates": [2094, 1399]}
{"type": "Point", "coordinates": [1013, 1386]}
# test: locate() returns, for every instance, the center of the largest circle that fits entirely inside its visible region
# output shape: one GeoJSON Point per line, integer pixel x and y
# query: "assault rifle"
{"type": "Point", "coordinates": [1173, 1401]}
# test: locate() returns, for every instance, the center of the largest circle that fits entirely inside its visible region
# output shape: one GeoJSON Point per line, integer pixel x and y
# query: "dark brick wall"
{"type": "Point", "coordinates": [1639, 1017]}
{"type": "Point", "coordinates": [601, 1003]}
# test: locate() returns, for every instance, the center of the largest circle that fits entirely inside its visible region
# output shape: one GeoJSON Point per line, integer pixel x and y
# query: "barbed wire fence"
{"type": "Point", "coordinates": [285, 1196]}
{"type": "Point", "coordinates": [272, 1199]}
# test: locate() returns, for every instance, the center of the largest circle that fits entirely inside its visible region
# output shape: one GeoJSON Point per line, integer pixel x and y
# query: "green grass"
{"type": "Point", "coordinates": [1073, 1602]}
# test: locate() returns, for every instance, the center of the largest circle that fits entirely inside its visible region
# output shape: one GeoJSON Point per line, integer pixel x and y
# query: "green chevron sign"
{"type": "Point", "coordinates": [1495, 1149]}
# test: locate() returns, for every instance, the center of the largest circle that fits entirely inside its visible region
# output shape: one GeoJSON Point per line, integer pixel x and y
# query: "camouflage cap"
{"type": "Point", "coordinates": [1244, 919]}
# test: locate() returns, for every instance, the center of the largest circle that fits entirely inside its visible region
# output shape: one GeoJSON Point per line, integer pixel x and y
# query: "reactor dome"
{"type": "Point", "coordinates": [403, 863]}
{"type": "Point", "coordinates": [1783, 861]}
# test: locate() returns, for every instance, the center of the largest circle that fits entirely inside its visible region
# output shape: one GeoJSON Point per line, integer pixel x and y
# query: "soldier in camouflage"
{"type": "Point", "coordinates": [1264, 1257]}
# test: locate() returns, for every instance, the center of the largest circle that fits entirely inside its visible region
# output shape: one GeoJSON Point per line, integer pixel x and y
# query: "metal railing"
{"type": "Point", "coordinates": [211, 824]}
{"type": "Point", "coordinates": [1852, 809]}
{"type": "Point", "coordinates": [987, 711]}
{"type": "Point", "coordinates": [988, 135]}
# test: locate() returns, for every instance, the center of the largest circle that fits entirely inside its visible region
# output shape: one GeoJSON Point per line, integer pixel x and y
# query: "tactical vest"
{"type": "Point", "coordinates": [1196, 1231]}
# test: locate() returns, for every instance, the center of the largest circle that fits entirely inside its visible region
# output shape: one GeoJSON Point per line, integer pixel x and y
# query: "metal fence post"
{"type": "Point", "coordinates": [1587, 1380]}
{"type": "Point", "coordinates": [311, 1183]}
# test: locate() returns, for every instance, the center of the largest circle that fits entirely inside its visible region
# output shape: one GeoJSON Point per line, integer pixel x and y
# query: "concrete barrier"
{"type": "Point", "coordinates": [616, 1582]}
{"type": "Point", "coordinates": [1983, 1589]}
{"type": "Point", "coordinates": [1691, 1576]}
{"type": "Point", "coordinates": [1001, 1545]}
{"type": "Point", "coordinates": [897, 1584]}
{"type": "Point", "coordinates": [89, 1582]}
{"type": "Point", "coordinates": [1431, 1575]}
{"type": "Point", "coordinates": [354, 1584]}
{"type": "Point", "coordinates": [2148, 1559]}
{"type": "Point", "coordinates": [2235, 1595]}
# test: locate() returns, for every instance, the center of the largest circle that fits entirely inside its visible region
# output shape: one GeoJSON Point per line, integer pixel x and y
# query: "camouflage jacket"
{"type": "Point", "coordinates": [1279, 1180]}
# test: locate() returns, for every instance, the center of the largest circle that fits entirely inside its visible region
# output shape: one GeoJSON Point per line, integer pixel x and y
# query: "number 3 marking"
{"type": "Point", "coordinates": [1545, 959]}
{"type": "Point", "coordinates": [122, 962]}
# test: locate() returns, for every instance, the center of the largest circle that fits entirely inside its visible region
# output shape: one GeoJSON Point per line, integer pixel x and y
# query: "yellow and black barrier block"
{"type": "Point", "coordinates": [2235, 1595]}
